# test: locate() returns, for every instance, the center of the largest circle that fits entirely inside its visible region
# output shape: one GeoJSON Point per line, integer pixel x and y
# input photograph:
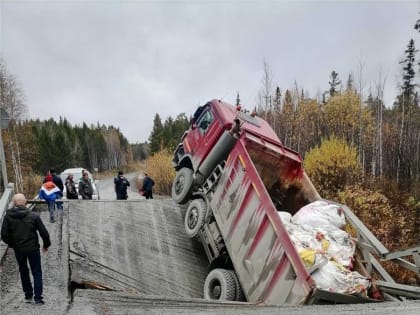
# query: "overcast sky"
{"type": "Point", "coordinates": [121, 62]}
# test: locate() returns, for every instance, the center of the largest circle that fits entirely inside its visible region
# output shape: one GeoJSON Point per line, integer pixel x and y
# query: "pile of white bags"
{"type": "Point", "coordinates": [317, 232]}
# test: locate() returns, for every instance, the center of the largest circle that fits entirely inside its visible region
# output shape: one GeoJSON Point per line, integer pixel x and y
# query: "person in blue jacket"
{"type": "Point", "coordinates": [50, 193]}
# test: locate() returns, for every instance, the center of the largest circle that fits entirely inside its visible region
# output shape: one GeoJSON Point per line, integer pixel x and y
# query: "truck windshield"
{"type": "Point", "coordinates": [204, 121]}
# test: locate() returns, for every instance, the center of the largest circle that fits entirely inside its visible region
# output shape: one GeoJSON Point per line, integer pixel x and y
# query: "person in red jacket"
{"type": "Point", "coordinates": [50, 193]}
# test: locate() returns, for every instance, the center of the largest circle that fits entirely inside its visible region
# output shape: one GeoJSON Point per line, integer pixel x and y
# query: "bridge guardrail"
{"type": "Point", "coordinates": [5, 200]}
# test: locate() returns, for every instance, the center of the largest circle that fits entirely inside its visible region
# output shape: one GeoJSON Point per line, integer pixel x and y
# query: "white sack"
{"type": "Point", "coordinates": [320, 213]}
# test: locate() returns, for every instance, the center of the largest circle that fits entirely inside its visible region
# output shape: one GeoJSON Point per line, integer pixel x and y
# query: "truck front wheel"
{"type": "Point", "coordinates": [220, 286]}
{"type": "Point", "coordinates": [194, 217]}
{"type": "Point", "coordinates": [181, 187]}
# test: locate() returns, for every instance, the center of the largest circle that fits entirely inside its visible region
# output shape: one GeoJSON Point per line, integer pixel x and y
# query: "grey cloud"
{"type": "Point", "coordinates": [121, 62]}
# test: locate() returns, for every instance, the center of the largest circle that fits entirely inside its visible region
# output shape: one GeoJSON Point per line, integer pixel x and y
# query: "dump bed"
{"type": "Point", "coordinates": [257, 175]}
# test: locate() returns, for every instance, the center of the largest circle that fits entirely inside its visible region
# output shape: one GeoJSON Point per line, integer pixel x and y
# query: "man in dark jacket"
{"type": "Point", "coordinates": [148, 184]}
{"type": "Point", "coordinates": [19, 231]}
{"type": "Point", "coordinates": [57, 180]}
{"type": "Point", "coordinates": [85, 187]}
{"type": "Point", "coordinates": [121, 183]}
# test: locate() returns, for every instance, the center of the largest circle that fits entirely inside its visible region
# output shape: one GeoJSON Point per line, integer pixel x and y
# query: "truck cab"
{"type": "Point", "coordinates": [214, 129]}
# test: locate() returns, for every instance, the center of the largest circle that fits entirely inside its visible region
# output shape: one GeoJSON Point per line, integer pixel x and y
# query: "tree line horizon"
{"type": "Point", "coordinates": [387, 138]}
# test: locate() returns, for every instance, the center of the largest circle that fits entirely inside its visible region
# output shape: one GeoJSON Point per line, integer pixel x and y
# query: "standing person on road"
{"type": "Point", "coordinates": [50, 193]}
{"type": "Point", "coordinates": [19, 231]}
{"type": "Point", "coordinates": [121, 183]}
{"type": "Point", "coordinates": [71, 192]}
{"type": "Point", "coordinates": [148, 184]}
{"type": "Point", "coordinates": [85, 187]}
{"type": "Point", "coordinates": [55, 178]}
{"type": "Point", "coordinates": [59, 183]}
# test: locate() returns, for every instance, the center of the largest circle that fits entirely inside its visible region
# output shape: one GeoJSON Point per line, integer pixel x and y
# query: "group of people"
{"type": "Point", "coordinates": [121, 184]}
{"type": "Point", "coordinates": [52, 190]}
{"type": "Point", "coordinates": [85, 187]}
{"type": "Point", "coordinates": [21, 226]}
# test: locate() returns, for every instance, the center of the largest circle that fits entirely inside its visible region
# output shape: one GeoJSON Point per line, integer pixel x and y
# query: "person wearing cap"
{"type": "Point", "coordinates": [121, 183]}
{"type": "Point", "coordinates": [50, 193]}
{"type": "Point", "coordinates": [19, 231]}
{"type": "Point", "coordinates": [71, 192]}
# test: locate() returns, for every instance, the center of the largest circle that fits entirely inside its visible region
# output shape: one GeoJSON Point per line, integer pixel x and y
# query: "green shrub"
{"type": "Point", "coordinates": [332, 166]}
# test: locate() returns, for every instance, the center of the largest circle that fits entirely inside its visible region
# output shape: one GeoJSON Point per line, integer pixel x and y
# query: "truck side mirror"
{"type": "Point", "coordinates": [193, 126]}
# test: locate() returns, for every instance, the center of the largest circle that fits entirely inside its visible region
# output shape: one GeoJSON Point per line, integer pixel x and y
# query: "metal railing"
{"type": "Point", "coordinates": [370, 246]}
{"type": "Point", "coordinates": [5, 201]}
{"type": "Point", "coordinates": [6, 198]}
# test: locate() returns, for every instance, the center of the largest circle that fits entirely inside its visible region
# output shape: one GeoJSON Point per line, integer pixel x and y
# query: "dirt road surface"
{"type": "Point", "coordinates": [132, 257]}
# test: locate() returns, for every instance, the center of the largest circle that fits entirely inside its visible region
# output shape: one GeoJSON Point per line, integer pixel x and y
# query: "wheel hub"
{"type": "Point", "coordinates": [179, 185]}
{"type": "Point", "coordinates": [217, 290]}
{"type": "Point", "coordinates": [193, 218]}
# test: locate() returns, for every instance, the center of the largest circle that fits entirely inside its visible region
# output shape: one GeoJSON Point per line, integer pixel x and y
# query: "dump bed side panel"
{"type": "Point", "coordinates": [264, 257]}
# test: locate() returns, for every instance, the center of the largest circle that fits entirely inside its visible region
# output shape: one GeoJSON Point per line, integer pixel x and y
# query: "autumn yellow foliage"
{"type": "Point", "coordinates": [394, 226]}
{"type": "Point", "coordinates": [160, 168]}
{"type": "Point", "coordinates": [332, 165]}
{"type": "Point", "coordinates": [31, 185]}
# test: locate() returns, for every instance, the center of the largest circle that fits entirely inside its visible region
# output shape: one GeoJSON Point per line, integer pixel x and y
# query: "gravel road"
{"type": "Point", "coordinates": [132, 257]}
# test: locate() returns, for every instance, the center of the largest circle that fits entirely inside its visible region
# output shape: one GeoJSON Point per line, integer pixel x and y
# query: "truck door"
{"type": "Point", "coordinates": [203, 134]}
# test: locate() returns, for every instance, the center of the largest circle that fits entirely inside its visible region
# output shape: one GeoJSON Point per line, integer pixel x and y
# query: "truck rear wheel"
{"type": "Point", "coordinates": [239, 293]}
{"type": "Point", "coordinates": [220, 285]}
{"type": "Point", "coordinates": [194, 217]}
{"type": "Point", "coordinates": [181, 186]}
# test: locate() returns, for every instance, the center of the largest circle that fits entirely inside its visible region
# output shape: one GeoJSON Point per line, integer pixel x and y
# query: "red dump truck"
{"type": "Point", "coordinates": [235, 175]}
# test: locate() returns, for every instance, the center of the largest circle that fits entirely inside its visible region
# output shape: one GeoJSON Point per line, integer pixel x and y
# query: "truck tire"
{"type": "Point", "coordinates": [194, 217]}
{"type": "Point", "coordinates": [220, 285]}
{"type": "Point", "coordinates": [181, 186]}
{"type": "Point", "coordinates": [239, 294]}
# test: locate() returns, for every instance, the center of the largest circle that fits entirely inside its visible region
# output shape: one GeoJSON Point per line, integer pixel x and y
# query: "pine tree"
{"type": "Point", "coordinates": [350, 83]}
{"type": "Point", "coordinates": [406, 107]}
{"type": "Point", "coordinates": [156, 137]}
{"type": "Point", "coordinates": [334, 83]}
{"type": "Point", "coordinates": [409, 73]}
{"type": "Point", "coordinates": [277, 99]}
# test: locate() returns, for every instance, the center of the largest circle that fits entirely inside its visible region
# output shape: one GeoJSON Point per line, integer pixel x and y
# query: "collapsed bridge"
{"type": "Point", "coordinates": [132, 256]}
